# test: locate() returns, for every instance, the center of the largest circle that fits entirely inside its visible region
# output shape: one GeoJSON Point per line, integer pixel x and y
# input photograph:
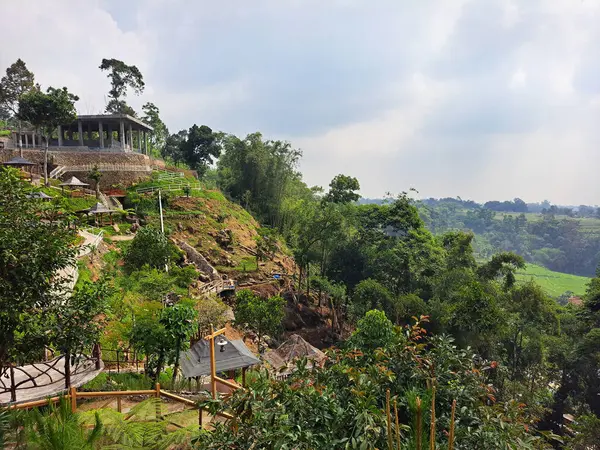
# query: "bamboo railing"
{"type": "Point", "coordinates": [157, 392]}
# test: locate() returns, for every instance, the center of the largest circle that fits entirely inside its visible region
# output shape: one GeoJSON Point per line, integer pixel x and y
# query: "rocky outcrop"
{"type": "Point", "coordinates": [200, 261]}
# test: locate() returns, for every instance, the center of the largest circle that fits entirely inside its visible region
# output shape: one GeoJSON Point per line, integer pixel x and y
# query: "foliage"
{"type": "Point", "coordinates": [96, 175]}
{"type": "Point", "coordinates": [17, 82]}
{"type": "Point", "coordinates": [33, 249]}
{"type": "Point", "coordinates": [158, 136]}
{"type": "Point", "coordinates": [46, 111]}
{"type": "Point", "coordinates": [261, 315]}
{"type": "Point", "coordinates": [122, 77]}
{"type": "Point", "coordinates": [342, 404]}
{"type": "Point", "coordinates": [342, 190]}
{"type": "Point", "coordinates": [374, 330]}
{"type": "Point", "coordinates": [211, 311]}
{"type": "Point", "coordinates": [149, 247]}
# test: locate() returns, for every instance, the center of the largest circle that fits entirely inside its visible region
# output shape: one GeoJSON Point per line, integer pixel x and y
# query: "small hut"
{"type": "Point", "coordinates": [39, 195]}
{"type": "Point", "coordinates": [282, 360]}
{"type": "Point", "coordinates": [230, 355]}
{"type": "Point", "coordinates": [74, 183]}
{"type": "Point", "coordinates": [99, 210]}
{"type": "Point", "coordinates": [23, 164]}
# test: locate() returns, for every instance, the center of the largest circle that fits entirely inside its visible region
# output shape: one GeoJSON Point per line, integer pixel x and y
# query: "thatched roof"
{"type": "Point", "coordinates": [292, 349]}
{"type": "Point", "coordinates": [74, 182]}
{"type": "Point", "coordinates": [235, 355]}
{"type": "Point", "coordinates": [18, 161]}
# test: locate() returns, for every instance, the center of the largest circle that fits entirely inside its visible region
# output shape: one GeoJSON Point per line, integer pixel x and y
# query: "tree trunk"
{"type": "Point", "coordinates": [97, 189]}
{"type": "Point", "coordinates": [159, 365]}
{"type": "Point", "coordinates": [67, 357]}
{"type": "Point", "coordinates": [46, 182]}
{"type": "Point", "coordinates": [307, 282]}
{"type": "Point", "coordinates": [176, 365]}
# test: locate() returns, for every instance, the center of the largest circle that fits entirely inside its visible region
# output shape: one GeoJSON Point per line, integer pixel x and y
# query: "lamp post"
{"type": "Point", "coordinates": [213, 364]}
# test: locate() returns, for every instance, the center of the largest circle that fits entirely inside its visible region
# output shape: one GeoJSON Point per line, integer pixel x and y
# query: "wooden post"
{"type": "Point", "coordinates": [157, 395]}
{"type": "Point", "coordinates": [13, 387]}
{"type": "Point", "coordinates": [119, 404]}
{"type": "Point", "coordinates": [200, 418]}
{"type": "Point", "coordinates": [98, 355]}
{"type": "Point", "coordinates": [397, 424]}
{"type": "Point", "coordinates": [73, 395]}
{"type": "Point", "coordinates": [244, 376]}
{"type": "Point", "coordinates": [389, 419]}
{"type": "Point", "coordinates": [213, 364]}
{"type": "Point", "coordinates": [451, 434]}
{"type": "Point", "coordinates": [118, 361]}
{"type": "Point", "coordinates": [432, 429]}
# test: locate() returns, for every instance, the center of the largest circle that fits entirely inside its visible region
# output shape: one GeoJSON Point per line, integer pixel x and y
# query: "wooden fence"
{"type": "Point", "coordinates": [157, 392]}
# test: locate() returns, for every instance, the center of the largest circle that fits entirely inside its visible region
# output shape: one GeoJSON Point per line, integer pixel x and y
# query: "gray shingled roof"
{"type": "Point", "coordinates": [291, 350]}
{"type": "Point", "coordinates": [18, 161]}
{"type": "Point", "coordinates": [99, 208]}
{"type": "Point", "coordinates": [196, 361]}
{"type": "Point", "coordinates": [74, 181]}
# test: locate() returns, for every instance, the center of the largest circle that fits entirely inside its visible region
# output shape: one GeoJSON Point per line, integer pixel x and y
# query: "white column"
{"type": "Point", "coordinates": [33, 140]}
{"type": "Point", "coordinates": [122, 134]}
{"type": "Point", "coordinates": [130, 138]}
{"type": "Point", "coordinates": [80, 132]}
{"type": "Point", "coordinates": [140, 139]}
{"type": "Point", "coordinates": [60, 136]}
{"type": "Point", "coordinates": [145, 142]}
{"type": "Point", "coordinates": [101, 134]}
{"type": "Point", "coordinates": [26, 140]}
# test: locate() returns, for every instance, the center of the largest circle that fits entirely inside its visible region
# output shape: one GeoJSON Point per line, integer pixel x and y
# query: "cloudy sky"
{"type": "Point", "coordinates": [484, 99]}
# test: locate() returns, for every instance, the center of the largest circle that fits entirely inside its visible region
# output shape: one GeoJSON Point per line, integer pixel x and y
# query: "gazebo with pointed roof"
{"type": "Point", "coordinates": [99, 210]}
{"type": "Point", "coordinates": [283, 359]}
{"type": "Point", "coordinates": [39, 195]}
{"type": "Point", "coordinates": [17, 161]}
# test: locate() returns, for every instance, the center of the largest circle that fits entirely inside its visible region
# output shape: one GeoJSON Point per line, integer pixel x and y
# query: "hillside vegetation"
{"type": "Point", "coordinates": [554, 283]}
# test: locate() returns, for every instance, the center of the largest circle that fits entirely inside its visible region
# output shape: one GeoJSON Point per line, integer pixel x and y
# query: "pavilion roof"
{"type": "Point", "coordinates": [99, 208]}
{"type": "Point", "coordinates": [18, 161]}
{"type": "Point", "coordinates": [292, 349]}
{"type": "Point", "coordinates": [235, 355]}
{"type": "Point", "coordinates": [110, 119]}
{"type": "Point", "coordinates": [39, 194]}
{"type": "Point", "coordinates": [74, 181]}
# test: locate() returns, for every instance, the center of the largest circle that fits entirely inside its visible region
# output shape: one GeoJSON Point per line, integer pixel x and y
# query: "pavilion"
{"type": "Point", "coordinates": [99, 210]}
{"type": "Point", "coordinates": [21, 163]}
{"type": "Point", "coordinates": [100, 132]}
{"type": "Point", "coordinates": [229, 356]}
{"type": "Point", "coordinates": [73, 183]}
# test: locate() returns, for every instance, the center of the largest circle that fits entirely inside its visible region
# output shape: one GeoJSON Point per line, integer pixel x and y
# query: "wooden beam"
{"type": "Point", "coordinates": [115, 393]}
{"type": "Point", "coordinates": [186, 401]}
{"type": "Point", "coordinates": [227, 383]}
{"type": "Point", "coordinates": [213, 335]}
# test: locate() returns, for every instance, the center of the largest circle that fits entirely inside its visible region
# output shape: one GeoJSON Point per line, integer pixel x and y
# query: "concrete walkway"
{"type": "Point", "coordinates": [49, 384]}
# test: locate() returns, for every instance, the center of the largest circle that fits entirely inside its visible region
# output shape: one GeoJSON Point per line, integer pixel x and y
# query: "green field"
{"type": "Point", "coordinates": [554, 283]}
{"type": "Point", "coordinates": [589, 224]}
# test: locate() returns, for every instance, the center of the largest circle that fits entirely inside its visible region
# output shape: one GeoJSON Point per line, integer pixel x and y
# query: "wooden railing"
{"type": "Point", "coordinates": [216, 287]}
{"type": "Point", "coordinates": [157, 392]}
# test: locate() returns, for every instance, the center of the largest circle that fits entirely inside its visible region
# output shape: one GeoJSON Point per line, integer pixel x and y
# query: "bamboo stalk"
{"type": "Point", "coordinates": [419, 424]}
{"type": "Point", "coordinates": [389, 419]}
{"type": "Point", "coordinates": [397, 425]}
{"type": "Point", "coordinates": [177, 398]}
{"type": "Point", "coordinates": [116, 393]}
{"type": "Point", "coordinates": [73, 396]}
{"type": "Point", "coordinates": [432, 429]}
{"type": "Point", "coordinates": [451, 435]}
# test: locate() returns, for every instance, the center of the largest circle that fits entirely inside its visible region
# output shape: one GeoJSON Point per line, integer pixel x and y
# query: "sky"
{"type": "Point", "coordinates": [482, 99]}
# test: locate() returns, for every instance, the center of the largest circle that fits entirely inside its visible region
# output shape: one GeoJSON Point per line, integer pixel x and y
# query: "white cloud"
{"type": "Point", "coordinates": [488, 100]}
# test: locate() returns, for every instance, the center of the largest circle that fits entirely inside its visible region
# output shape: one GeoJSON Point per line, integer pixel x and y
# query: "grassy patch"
{"type": "Point", "coordinates": [554, 283]}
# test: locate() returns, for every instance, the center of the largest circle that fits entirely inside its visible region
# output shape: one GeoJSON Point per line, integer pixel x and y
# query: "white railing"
{"type": "Point", "coordinates": [106, 167]}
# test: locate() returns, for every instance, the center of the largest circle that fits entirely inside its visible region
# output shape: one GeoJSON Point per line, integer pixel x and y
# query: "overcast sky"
{"type": "Point", "coordinates": [483, 99]}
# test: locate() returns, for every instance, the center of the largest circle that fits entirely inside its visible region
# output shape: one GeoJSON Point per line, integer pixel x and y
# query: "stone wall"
{"type": "Point", "coordinates": [72, 158]}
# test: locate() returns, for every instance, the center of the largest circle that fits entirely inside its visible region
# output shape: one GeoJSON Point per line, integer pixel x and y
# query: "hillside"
{"type": "Point", "coordinates": [554, 283]}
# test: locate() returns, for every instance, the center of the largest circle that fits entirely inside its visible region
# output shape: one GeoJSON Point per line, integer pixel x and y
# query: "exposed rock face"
{"type": "Point", "coordinates": [200, 261]}
{"type": "Point", "coordinates": [224, 238]}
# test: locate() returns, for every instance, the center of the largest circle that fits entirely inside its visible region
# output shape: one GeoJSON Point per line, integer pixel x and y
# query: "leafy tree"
{"type": "Point", "coordinates": [46, 111]}
{"type": "Point", "coordinates": [368, 295]}
{"type": "Point", "coordinates": [122, 77]}
{"type": "Point", "coordinates": [342, 190]}
{"type": "Point", "coordinates": [261, 315]}
{"type": "Point", "coordinates": [149, 247]}
{"type": "Point", "coordinates": [180, 324]}
{"type": "Point", "coordinates": [200, 148]}
{"type": "Point", "coordinates": [79, 321]}
{"type": "Point", "coordinates": [373, 331]}
{"type": "Point", "coordinates": [96, 175]}
{"type": "Point", "coordinates": [33, 249]}
{"type": "Point", "coordinates": [159, 136]}
{"type": "Point", "coordinates": [173, 145]}
{"type": "Point", "coordinates": [17, 82]}
{"type": "Point", "coordinates": [502, 265]}
{"type": "Point", "coordinates": [211, 311]}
